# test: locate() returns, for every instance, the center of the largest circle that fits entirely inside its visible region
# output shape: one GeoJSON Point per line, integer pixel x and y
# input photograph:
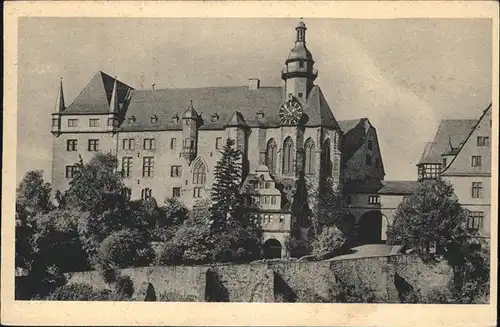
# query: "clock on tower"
{"type": "Point", "coordinates": [290, 112]}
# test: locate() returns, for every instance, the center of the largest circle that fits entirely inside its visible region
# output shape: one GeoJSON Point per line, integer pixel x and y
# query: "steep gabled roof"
{"type": "Point", "coordinates": [450, 131]}
{"type": "Point", "coordinates": [236, 120]}
{"type": "Point", "coordinates": [222, 101]}
{"type": "Point", "coordinates": [355, 131]}
{"type": "Point", "coordinates": [96, 96]}
{"type": "Point", "coordinates": [450, 168]}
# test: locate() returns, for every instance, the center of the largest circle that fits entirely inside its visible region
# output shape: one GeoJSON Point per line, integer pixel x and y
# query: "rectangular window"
{"type": "Point", "coordinates": [176, 192]}
{"type": "Point", "coordinates": [301, 64]}
{"type": "Point", "coordinates": [146, 193]}
{"type": "Point", "coordinates": [267, 184]}
{"type": "Point", "coordinates": [444, 163]}
{"type": "Point", "coordinates": [147, 167]}
{"type": "Point", "coordinates": [70, 171]}
{"type": "Point", "coordinates": [93, 145]}
{"type": "Point", "coordinates": [377, 163]}
{"type": "Point", "coordinates": [71, 145]}
{"type": "Point", "coordinates": [475, 220]}
{"type": "Point", "coordinates": [431, 171]}
{"type": "Point", "coordinates": [72, 122]}
{"type": "Point", "coordinates": [483, 141]}
{"type": "Point", "coordinates": [111, 121]}
{"type": "Point", "coordinates": [149, 144]}
{"type": "Point", "coordinates": [370, 144]}
{"type": "Point", "coordinates": [477, 189]}
{"type": "Point", "coordinates": [93, 122]}
{"type": "Point", "coordinates": [476, 161]}
{"type": "Point", "coordinates": [218, 143]}
{"type": "Point", "coordinates": [273, 200]}
{"type": "Point", "coordinates": [173, 143]}
{"type": "Point", "coordinates": [175, 171]}
{"type": "Point", "coordinates": [197, 192]}
{"type": "Point", "coordinates": [368, 160]}
{"type": "Point", "coordinates": [55, 122]}
{"type": "Point", "coordinates": [128, 144]}
{"type": "Point", "coordinates": [375, 199]}
{"type": "Point", "coordinates": [126, 166]}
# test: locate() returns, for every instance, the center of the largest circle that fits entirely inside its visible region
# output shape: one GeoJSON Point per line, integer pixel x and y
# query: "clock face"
{"type": "Point", "coordinates": [290, 112]}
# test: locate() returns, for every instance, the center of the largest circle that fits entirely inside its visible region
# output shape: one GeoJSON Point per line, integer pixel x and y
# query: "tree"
{"type": "Point", "coordinates": [98, 190]}
{"type": "Point", "coordinates": [125, 248]}
{"type": "Point", "coordinates": [32, 199]}
{"type": "Point", "coordinates": [233, 235]}
{"type": "Point", "coordinates": [430, 217]}
{"type": "Point", "coordinates": [325, 216]}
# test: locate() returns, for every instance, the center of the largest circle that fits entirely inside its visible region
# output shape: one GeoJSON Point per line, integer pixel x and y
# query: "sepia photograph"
{"type": "Point", "coordinates": [302, 159]}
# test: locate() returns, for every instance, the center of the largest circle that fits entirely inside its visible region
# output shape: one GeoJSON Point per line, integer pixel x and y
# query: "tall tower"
{"type": "Point", "coordinates": [299, 73]}
{"type": "Point", "coordinates": [190, 133]}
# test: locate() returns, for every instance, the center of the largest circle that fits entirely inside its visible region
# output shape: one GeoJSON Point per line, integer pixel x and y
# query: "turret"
{"type": "Point", "coordinates": [114, 109]}
{"type": "Point", "coordinates": [190, 121]}
{"type": "Point", "coordinates": [299, 73]}
{"type": "Point", "coordinates": [58, 110]}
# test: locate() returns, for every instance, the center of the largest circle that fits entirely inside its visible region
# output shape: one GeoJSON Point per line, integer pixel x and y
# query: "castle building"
{"type": "Point", "coordinates": [461, 154]}
{"type": "Point", "coordinates": [168, 141]}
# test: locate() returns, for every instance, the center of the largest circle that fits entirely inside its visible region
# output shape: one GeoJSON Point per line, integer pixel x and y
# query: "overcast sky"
{"type": "Point", "coordinates": [404, 75]}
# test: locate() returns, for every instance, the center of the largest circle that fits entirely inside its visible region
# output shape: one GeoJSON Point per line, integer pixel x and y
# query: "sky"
{"type": "Point", "coordinates": [404, 75]}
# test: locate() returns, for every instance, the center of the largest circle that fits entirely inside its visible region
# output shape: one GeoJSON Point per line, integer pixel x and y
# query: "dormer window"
{"type": "Point", "coordinates": [215, 117]}
{"type": "Point", "coordinates": [260, 114]}
{"type": "Point", "coordinates": [175, 118]}
{"type": "Point", "coordinates": [131, 119]}
{"type": "Point", "coordinates": [154, 119]}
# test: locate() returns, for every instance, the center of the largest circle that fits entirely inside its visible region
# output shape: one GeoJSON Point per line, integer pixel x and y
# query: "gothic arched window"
{"type": "Point", "coordinates": [326, 162]}
{"type": "Point", "coordinates": [199, 172]}
{"type": "Point", "coordinates": [310, 152]}
{"type": "Point", "coordinates": [288, 150]}
{"type": "Point", "coordinates": [271, 155]}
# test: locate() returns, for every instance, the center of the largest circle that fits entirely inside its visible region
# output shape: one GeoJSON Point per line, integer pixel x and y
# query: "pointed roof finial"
{"type": "Point", "coordinates": [190, 113]}
{"type": "Point", "coordinates": [449, 141]}
{"type": "Point", "coordinates": [60, 106]}
{"type": "Point", "coordinates": [114, 103]}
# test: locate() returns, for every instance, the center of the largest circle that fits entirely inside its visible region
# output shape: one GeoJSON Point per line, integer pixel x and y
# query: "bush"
{"type": "Point", "coordinates": [124, 286]}
{"type": "Point", "coordinates": [330, 239]}
{"type": "Point", "coordinates": [125, 248]}
{"type": "Point", "coordinates": [78, 292]}
{"type": "Point", "coordinates": [171, 253]}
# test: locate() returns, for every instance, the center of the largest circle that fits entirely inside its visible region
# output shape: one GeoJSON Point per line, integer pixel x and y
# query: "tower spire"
{"type": "Point", "coordinates": [113, 104]}
{"type": "Point", "coordinates": [59, 107]}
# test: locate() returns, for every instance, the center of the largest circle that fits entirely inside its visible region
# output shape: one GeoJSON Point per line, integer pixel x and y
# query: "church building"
{"type": "Point", "coordinates": [168, 141]}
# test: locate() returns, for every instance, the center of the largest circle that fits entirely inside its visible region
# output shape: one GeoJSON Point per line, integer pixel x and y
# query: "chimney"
{"type": "Point", "coordinates": [253, 83]}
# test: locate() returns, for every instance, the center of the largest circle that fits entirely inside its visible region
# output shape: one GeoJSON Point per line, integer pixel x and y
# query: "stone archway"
{"type": "Point", "coordinates": [370, 228]}
{"type": "Point", "coordinates": [272, 249]}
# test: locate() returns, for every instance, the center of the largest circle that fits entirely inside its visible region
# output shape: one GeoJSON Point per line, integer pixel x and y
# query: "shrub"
{"type": "Point", "coordinates": [77, 292]}
{"type": "Point", "coordinates": [124, 286]}
{"type": "Point", "coordinates": [125, 248]}
{"type": "Point", "coordinates": [330, 239]}
{"type": "Point", "coordinates": [170, 253]}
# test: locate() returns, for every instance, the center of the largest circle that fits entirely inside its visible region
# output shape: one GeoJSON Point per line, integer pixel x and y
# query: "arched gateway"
{"type": "Point", "coordinates": [272, 249]}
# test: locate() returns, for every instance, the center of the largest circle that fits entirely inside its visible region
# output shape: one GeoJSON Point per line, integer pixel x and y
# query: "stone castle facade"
{"type": "Point", "coordinates": [168, 141]}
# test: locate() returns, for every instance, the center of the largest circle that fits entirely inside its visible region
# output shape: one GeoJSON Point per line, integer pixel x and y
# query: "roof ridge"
{"type": "Point", "coordinates": [207, 87]}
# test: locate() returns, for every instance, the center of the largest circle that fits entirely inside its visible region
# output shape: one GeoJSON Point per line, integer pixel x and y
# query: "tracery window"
{"type": "Point", "coordinates": [199, 172]}
{"type": "Point", "coordinates": [271, 155]}
{"type": "Point", "coordinates": [310, 150]}
{"type": "Point", "coordinates": [288, 156]}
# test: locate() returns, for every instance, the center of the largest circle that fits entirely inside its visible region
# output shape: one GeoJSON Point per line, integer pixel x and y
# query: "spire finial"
{"type": "Point", "coordinates": [60, 106]}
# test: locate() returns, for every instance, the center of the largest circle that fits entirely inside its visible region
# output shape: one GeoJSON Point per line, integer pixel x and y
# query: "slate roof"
{"type": "Point", "coordinates": [453, 131]}
{"type": "Point", "coordinates": [382, 187]}
{"type": "Point", "coordinates": [96, 96]}
{"type": "Point", "coordinates": [451, 168]}
{"type": "Point", "coordinates": [208, 102]}
{"type": "Point", "coordinates": [354, 136]}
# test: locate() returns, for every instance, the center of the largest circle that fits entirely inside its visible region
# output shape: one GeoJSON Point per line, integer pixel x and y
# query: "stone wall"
{"type": "Point", "coordinates": [280, 280]}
